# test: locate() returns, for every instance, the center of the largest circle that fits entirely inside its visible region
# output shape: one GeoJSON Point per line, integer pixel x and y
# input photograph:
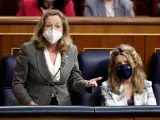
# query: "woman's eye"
{"type": "Point", "coordinates": [48, 26]}
{"type": "Point", "coordinates": [58, 26]}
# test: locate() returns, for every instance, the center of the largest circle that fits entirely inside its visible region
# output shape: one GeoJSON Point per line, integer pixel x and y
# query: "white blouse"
{"type": "Point", "coordinates": [109, 11]}
{"type": "Point", "coordinates": [53, 68]}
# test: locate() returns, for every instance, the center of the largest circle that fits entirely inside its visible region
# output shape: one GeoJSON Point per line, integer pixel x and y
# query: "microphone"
{"type": "Point", "coordinates": [62, 65]}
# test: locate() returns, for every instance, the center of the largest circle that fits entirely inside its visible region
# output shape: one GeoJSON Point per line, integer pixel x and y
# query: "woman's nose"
{"type": "Point", "coordinates": [53, 28]}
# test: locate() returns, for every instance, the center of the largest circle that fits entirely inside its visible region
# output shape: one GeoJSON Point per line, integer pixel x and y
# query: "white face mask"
{"type": "Point", "coordinates": [52, 36]}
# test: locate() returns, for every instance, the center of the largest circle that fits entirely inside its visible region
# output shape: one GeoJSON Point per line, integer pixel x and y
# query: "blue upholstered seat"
{"type": "Point", "coordinates": [8, 64]}
{"type": "Point", "coordinates": [154, 75]}
{"type": "Point", "coordinates": [92, 64]}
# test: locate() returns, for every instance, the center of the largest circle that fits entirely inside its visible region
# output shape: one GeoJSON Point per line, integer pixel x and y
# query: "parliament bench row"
{"type": "Point", "coordinates": [92, 64]}
{"type": "Point", "coordinates": [80, 111]}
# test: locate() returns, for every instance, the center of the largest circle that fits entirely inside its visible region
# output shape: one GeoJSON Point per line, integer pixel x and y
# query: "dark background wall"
{"type": "Point", "coordinates": [9, 7]}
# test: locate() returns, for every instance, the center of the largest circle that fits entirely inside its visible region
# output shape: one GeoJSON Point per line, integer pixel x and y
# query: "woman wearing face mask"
{"type": "Point", "coordinates": [47, 65]}
{"type": "Point", "coordinates": [126, 84]}
{"type": "Point", "coordinates": [39, 7]}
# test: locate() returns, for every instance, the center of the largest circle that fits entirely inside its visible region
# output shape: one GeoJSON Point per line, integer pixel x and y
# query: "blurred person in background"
{"type": "Point", "coordinates": [155, 7]}
{"type": "Point", "coordinates": [79, 7]}
{"type": "Point", "coordinates": [9, 7]}
{"type": "Point", "coordinates": [109, 8]}
{"type": "Point", "coordinates": [38, 7]}
{"type": "Point", "coordinates": [146, 7]}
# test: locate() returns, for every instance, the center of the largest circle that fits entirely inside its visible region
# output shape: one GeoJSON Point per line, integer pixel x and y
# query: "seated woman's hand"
{"type": "Point", "coordinates": [92, 82]}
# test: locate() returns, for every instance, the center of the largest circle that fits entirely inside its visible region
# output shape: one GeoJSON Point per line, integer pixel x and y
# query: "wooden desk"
{"type": "Point", "coordinates": [88, 33]}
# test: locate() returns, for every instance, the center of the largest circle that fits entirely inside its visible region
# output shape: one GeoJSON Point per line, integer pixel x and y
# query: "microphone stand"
{"type": "Point", "coordinates": [62, 65]}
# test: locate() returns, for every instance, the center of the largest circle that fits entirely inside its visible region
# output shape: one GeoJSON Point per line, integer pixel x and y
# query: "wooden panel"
{"type": "Point", "coordinates": [115, 29]}
{"type": "Point", "coordinates": [87, 25]}
{"type": "Point", "coordinates": [113, 41]}
{"type": "Point", "coordinates": [89, 29]}
{"type": "Point", "coordinates": [12, 41]}
{"type": "Point", "coordinates": [86, 42]}
{"type": "Point", "coordinates": [94, 42]}
{"type": "Point", "coordinates": [87, 20]}
{"type": "Point", "coordinates": [17, 28]}
{"type": "Point", "coordinates": [147, 118]}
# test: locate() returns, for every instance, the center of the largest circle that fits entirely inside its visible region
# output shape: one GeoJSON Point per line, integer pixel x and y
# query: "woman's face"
{"type": "Point", "coordinates": [121, 59]}
{"type": "Point", "coordinates": [48, 3]}
{"type": "Point", "coordinates": [53, 23]}
{"type": "Point", "coordinates": [123, 68]}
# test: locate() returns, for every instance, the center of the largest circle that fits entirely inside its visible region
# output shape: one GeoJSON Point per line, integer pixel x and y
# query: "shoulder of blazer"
{"type": "Point", "coordinates": [91, 3]}
{"type": "Point", "coordinates": [127, 4]}
{"type": "Point", "coordinates": [147, 84]}
{"type": "Point", "coordinates": [29, 48]}
{"type": "Point", "coordinates": [30, 44]}
{"type": "Point", "coordinates": [106, 86]}
{"type": "Point", "coordinates": [72, 47]}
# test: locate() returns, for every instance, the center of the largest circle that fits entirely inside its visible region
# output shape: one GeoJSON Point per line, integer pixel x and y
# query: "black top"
{"type": "Point", "coordinates": [130, 101]}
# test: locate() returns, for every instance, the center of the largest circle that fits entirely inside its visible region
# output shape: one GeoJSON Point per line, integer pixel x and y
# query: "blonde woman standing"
{"type": "Point", "coordinates": [47, 64]}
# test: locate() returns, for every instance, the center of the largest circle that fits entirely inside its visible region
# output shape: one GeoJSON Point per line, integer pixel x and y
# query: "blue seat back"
{"type": "Point", "coordinates": [154, 75]}
{"type": "Point", "coordinates": [93, 64]}
{"type": "Point", "coordinates": [8, 64]}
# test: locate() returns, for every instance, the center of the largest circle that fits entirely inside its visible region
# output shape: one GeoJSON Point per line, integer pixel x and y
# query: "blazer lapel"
{"type": "Point", "coordinates": [118, 8]}
{"type": "Point", "coordinates": [101, 10]}
{"type": "Point", "coordinates": [42, 66]}
{"type": "Point", "coordinates": [120, 100]}
{"type": "Point", "coordinates": [64, 60]}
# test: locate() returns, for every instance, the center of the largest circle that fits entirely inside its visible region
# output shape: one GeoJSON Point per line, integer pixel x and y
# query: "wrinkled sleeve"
{"type": "Point", "coordinates": [128, 5]}
{"type": "Point", "coordinates": [87, 9]}
{"type": "Point", "coordinates": [20, 77]}
{"type": "Point", "coordinates": [77, 80]}
{"type": "Point", "coordinates": [106, 97]}
{"type": "Point", "coordinates": [151, 100]}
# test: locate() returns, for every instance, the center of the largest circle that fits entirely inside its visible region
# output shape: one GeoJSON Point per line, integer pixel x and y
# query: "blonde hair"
{"type": "Point", "coordinates": [64, 43]}
{"type": "Point", "coordinates": [138, 74]}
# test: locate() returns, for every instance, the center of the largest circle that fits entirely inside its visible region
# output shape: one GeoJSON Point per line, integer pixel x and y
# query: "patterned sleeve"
{"type": "Point", "coordinates": [151, 100]}
{"type": "Point", "coordinates": [107, 98]}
